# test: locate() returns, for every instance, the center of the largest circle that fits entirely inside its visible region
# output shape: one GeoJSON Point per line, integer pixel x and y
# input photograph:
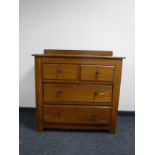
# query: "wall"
{"type": "Point", "coordinates": [76, 24]}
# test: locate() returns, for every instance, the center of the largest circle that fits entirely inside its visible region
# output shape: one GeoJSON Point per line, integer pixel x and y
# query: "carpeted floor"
{"type": "Point", "coordinates": [54, 142]}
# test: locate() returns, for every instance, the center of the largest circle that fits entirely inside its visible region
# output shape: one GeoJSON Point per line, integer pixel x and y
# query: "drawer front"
{"type": "Point", "coordinates": [76, 114]}
{"type": "Point", "coordinates": [60, 71]}
{"type": "Point", "coordinates": [77, 92]}
{"type": "Point", "coordinates": [97, 73]}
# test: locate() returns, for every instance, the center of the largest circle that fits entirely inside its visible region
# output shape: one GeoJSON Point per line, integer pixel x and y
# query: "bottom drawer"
{"type": "Point", "coordinates": [76, 114]}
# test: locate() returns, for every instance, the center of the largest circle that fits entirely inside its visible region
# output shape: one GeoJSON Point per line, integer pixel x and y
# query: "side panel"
{"type": "Point", "coordinates": [38, 85]}
{"type": "Point", "coordinates": [116, 90]}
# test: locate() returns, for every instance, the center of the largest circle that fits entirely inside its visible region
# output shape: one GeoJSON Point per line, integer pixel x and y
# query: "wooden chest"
{"type": "Point", "coordinates": [77, 89]}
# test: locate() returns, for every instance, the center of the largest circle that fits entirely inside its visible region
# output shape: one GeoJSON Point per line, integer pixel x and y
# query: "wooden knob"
{"type": "Point", "coordinates": [94, 116]}
{"type": "Point", "coordinates": [59, 72]}
{"type": "Point", "coordinates": [58, 92]}
{"type": "Point", "coordinates": [97, 73]}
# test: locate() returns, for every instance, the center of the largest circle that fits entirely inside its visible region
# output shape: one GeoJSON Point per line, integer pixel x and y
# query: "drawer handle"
{"type": "Point", "coordinates": [97, 94]}
{"type": "Point", "coordinates": [58, 92]}
{"type": "Point", "coordinates": [97, 73]}
{"type": "Point", "coordinates": [94, 116]}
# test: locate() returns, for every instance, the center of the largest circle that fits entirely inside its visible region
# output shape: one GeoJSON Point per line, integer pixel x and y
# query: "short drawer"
{"type": "Point", "coordinates": [76, 114]}
{"type": "Point", "coordinates": [77, 92]}
{"type": "Point", "coordinates": [60, 71]}
{"type": "Point", "coordinates": [97, 73]}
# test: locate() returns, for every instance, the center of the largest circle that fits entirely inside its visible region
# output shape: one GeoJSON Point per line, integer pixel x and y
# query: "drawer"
{"type": "Point", "coordinates": [76, 114]}
{"type": "Point", "coordinates": [97, 73]}
{"type": "Point", "coordinates": [77, 92]}
{"type": "Point", "coordinates": [60, 71]}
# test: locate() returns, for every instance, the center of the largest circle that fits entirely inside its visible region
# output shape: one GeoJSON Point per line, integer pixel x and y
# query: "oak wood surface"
{"type": "Point", "coordinates": [77, 103]}
{"type": "Point", "coordinates": [97, 73]}
{"type": "Point", "coordinates": [60, 71]}
{"type": "Point", "coordinates": [38, 86]}
{"type": "Point", "coordinates": [102, 127]}
{"type": "Point", "coordinates": [77, 92]}
{"type": "Point", "coordinates": [77, 89]}
{"type": "Point", "coordinates": [80, 61]}
{"type": "Point", "coordinates": [116, 91]}
{"type": "Point", "coordinates": [77, 52]}
{"type": "Point", "coordinates": [76, 114]}
{"type": "Point", "coordinates": [77, 81]}
{"type": "Point", "coordinates": [78, 56]}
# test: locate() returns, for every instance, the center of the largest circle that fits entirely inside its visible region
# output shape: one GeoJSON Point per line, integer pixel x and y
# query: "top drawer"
{"type": "Point", "coordinates": [97, 73]}
{"type": "Point", "coordinates": [60, 71]}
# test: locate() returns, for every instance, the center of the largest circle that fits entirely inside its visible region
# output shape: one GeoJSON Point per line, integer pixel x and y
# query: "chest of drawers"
{"type": "Point", "coordinates": [77, 89]}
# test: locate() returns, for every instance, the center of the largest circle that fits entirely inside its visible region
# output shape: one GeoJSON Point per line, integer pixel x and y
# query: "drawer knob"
{"type": "Point", "coordinates": [97, 73]}
{"type": "Point", "coordinates": [58, 92]}
{"type": "Point", "coordinates": [59, 72]}
{"type": "Point", "coordinates": [94, 116]}
{"type": "Point", "coordinates": [57, 114]}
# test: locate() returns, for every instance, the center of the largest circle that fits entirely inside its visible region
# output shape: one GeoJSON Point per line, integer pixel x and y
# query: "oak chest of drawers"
{"type": "Point", "coordinates": [77, 89]}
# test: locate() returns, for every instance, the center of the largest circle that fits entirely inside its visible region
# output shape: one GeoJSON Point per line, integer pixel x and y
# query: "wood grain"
{"type": "Point", "coordinates": [76, 56]}
{"type": "Point", "coordinates": [76, 114]}
{"type": "Point", "coordinates": [38, 86]}
{"type": "Point", "coordinates": [77, 52]}
{"type": "Point", "coordinates": [97, 73]}
{"type": "Point", "coordinates": [77, 89]}
{"type": "Point", "coordinates": [60, 71]}
{"type": "Point", "coordinates": [81, 61]}
{"type": "Point", "coordinates": [102, 127]}
{"type": "Point", "coordinates": [116, 91]}
{"type": "Point", "coordinates": [77, 92]}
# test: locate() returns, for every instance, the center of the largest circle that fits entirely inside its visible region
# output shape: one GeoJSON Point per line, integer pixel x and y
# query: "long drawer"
{"type": "Point", "coordinates": [76, 114]}
{"type": "Point", "coordinates": [77, 92]}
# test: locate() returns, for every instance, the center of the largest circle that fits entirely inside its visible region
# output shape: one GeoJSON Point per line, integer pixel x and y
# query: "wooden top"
{"type": "Point", "coordinates": [77, 53]}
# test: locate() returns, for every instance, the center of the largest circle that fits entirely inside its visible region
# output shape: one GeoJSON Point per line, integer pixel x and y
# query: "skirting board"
{"type": "Point", "coordinates": [120, 113]}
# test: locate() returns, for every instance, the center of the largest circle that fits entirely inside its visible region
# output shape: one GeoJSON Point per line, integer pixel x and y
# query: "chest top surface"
{"type": "Point", "coordinates": [78, 54]}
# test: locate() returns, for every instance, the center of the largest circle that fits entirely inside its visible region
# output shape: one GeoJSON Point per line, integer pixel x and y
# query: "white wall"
{"type": "Point", "coordinates": [76, 24]}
